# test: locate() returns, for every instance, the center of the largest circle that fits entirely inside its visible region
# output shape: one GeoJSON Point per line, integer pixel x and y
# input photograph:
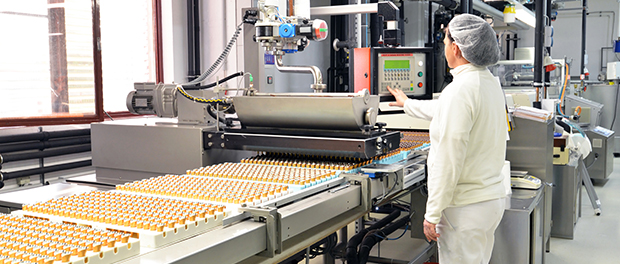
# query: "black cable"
{"type": "Point", "coordinates": [594, 161]}
{"type": "Point", "coordinates": [223, 120]}
{"type": "Point", "coordinates": [351, 253]}
{"type": "Point", "coordinates": [369, 241]}
{"type": "Point", "coordinates": [615, 107]}
{"type": "Point", "coordinates": [225, 79]}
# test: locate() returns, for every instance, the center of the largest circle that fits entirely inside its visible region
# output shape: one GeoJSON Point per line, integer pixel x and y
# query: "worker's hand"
{"type": "Point", "coordinates": [429, 231]}
{"type": "Point", "coordinates": [399, 96]}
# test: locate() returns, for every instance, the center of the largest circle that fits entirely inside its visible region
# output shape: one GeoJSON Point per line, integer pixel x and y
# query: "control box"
{"type": "Point", "coordinates": [613, 70]}
{"type": "Point", "coordinates": [406, 69]}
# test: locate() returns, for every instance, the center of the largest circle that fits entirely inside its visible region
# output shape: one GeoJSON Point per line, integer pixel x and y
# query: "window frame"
{"type": "Point", "coordinates": [99, 114]}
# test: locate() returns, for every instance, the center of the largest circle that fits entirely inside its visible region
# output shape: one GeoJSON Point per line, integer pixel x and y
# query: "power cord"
{"type": "Point", "coordinates": [615, 107]}
{"type": "Point", "coordinates": [396, 238]}
{"type": "Point", "coordinates": [106, 113]}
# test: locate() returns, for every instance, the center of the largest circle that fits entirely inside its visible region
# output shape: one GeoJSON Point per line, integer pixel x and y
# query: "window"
{"type": "Point", "coordinates": [51, 69]}
{"type": "Point", "coordinates": [127, 49]}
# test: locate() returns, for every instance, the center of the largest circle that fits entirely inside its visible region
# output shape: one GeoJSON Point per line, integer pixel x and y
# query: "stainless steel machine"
{"type": "Point", "coordinates": [600, 163]}
{"type": "Point", "coordinates": [520, 236]}
{"type": "Point", "coordinates": [519, 74]}
{"type": "Point", "coordinates": [310, 164]}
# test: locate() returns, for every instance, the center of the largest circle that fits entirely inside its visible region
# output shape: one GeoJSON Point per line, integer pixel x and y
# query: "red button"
{"type": "Point", "coordinates": [420, 84]}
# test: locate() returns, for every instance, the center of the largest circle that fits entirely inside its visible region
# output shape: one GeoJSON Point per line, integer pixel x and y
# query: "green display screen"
{"type": "Point", "coordinates": [396, 64]}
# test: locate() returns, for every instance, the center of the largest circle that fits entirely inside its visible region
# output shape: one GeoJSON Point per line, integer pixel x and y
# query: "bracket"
{"type": "Point", "coordinates": [364, 182]}
{"type": "Point", "coordinates": [273, 221]}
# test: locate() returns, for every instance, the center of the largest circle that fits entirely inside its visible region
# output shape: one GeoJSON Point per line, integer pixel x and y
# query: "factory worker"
{"type": "Point", "coordinates": [466, 198]}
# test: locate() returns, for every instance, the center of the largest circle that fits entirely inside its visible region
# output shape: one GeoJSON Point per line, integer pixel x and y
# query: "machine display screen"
{"type": "Point", "coordinates": [396, 64]}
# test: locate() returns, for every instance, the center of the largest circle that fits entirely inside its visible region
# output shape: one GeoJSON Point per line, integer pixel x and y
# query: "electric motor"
{"type": "Point", "coordinates": [151, 98]}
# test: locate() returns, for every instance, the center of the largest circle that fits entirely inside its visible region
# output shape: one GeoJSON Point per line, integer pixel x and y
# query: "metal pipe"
{"type": "Point", "coordinates": [23, 173]}
{"type": "Point", "coordinates": [449, 4]}
{"type": "Point", "coordinates": [314, 70]}
{"type": "Point", "coordinates": [193, 39]}
{"type": "Point", "coordinates": [585, 81]}
{"type": "Point", "coordinates": [46, 144]}
{"type": "Point", "coordinates": [467, 7]}
{"type": "Point", "coordinates": [515, 39]}
{"type": "Point", "coordinates": [376, 27]}
{"type": "Point", "coordinates": [539, 45]}
{"type": "Point", "coordinates": [547, 82]}
{"type": "Point", "coordinates": [386, 260]}
{"type": "Point", "coordinates": [602, 65]}
{"type": "Point", "coordinates": [44, 135]}
{"type": "Point", "coordinates": [584, 15]}
{"type": "Point", "coordinates": [430, 23]}
{"type": "Point", "coordinates": [370, 8]}
{"type": "Point", "coordinates": [507, 46]}
{"type": "Point", "coordinates": [43, 154]}
{"type": "Point", "coordinates": [569, 9]}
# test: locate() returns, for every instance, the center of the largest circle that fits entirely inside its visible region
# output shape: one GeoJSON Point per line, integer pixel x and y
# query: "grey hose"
{"type": "Point", "coordinates": [219, 60]}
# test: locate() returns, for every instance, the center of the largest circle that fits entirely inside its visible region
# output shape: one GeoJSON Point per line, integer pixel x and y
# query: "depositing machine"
{"type": "Point", "coordinates": [196, 185]}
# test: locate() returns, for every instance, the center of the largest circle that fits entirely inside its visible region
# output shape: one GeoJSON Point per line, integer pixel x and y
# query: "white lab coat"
{"type": "Point", "coordinates": [468, 145]}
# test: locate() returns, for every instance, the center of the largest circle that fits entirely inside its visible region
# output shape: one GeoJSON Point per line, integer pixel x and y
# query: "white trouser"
{"type": "Point", "coordinates": [467, 232]}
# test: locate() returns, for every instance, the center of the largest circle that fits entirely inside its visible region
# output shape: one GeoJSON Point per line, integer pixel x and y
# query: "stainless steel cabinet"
{"type": "Point", "coordinates": [566, 183]}
{"type": "Point", "coordinates": [520, 237]}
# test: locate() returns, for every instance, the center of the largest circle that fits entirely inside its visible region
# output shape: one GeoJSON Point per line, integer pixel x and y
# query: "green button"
{"type": "Point", "coordinates": [420, 74]}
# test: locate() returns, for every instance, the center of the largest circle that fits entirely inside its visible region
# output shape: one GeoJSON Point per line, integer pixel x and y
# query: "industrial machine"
{"type": "Point", "coordinates": [600, 162]}
{"type": "Point", "coordinates": [516, 78]}
{"type": "Point", "coordinates": [589, 112]}
{"type": "Point", "coordinates": [405, 68]}
{"type": "Point", "coordinates": [214, 178]}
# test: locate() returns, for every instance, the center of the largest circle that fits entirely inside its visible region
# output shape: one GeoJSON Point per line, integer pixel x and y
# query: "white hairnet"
{"type": "Point", "coordinates": [475, 38]}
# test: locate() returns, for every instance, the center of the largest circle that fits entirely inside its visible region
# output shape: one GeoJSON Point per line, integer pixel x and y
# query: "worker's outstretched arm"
{"type": "Point", "coordinates": [423, 109]}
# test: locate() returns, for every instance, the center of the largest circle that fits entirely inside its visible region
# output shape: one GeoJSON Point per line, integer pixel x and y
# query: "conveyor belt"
{"type": "Point", "coordinates": [185, 213]}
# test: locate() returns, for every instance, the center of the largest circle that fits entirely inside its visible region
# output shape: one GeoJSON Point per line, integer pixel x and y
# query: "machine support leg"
{"type": "Point", "coordinates": [580, 191]}
{"type": "Point", "coordinates": [587, 182]}
{"type": "Point", "coordinates": [429, 253]}
{"type": "Point", "coordinates": [344, 236]}
{"type": "Point", "coordinates": [386, 260]}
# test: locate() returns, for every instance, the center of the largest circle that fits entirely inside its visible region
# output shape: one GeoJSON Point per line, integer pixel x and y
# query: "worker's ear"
{"type": "Point", "coordinates": [456, 50]}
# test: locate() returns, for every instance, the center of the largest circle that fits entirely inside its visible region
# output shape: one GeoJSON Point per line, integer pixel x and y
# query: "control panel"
{"type": "Point", "coordinates": [404, 71]}
{"type": "Point", "coordinates": [409, 69]}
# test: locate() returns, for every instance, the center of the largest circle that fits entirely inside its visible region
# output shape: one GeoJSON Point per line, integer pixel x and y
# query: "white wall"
{"type": "Point", "coordinates": [174, 40]}
{"type": "Point", "coordinates": [567, 38]}
{"type": "Point", "coordinates": [219, 21]}
{"type": "Point", "coordinates": [601, 30]}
